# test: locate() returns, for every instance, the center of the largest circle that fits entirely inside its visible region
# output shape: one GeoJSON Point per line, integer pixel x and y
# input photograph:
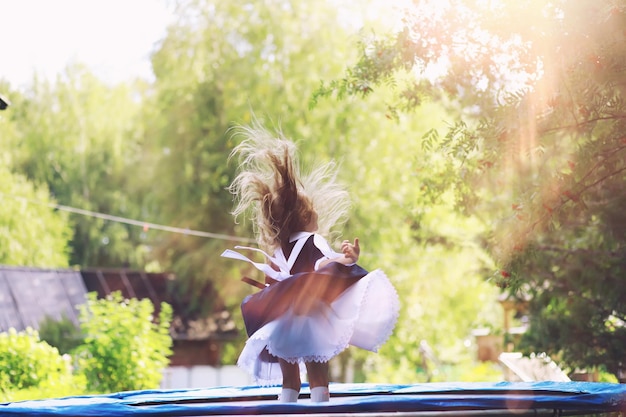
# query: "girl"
{"type": "Point", "coordinates": [316, 301]}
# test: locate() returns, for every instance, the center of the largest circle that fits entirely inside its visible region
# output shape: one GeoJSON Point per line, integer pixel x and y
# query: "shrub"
{"type": "Point", "coordinates": [124, 348]}
{"type": "Point", "coordinates": [62, 334]}
{"type": "Point", "coordinates": [27, 362]}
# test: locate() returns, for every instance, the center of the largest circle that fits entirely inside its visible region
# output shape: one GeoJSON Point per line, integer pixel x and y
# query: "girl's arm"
{"type": "Point", "coordinates": [349, 256]}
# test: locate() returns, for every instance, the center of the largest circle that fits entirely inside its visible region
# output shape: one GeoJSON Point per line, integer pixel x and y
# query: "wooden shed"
{"type": "Point", "coordinates": [29, 295]}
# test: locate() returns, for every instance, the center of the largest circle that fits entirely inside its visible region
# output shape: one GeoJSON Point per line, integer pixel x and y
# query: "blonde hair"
{"type": "Point", "coordinates": [279, 198]}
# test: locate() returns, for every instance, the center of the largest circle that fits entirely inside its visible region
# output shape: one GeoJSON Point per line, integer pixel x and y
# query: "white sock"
{"type": "Point", "coordinates": [288, 395]}
{"type": "Point", "coordinates": [320, 394]}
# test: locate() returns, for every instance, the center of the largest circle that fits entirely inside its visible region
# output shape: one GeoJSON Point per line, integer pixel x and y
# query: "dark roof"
{"type": "Point", "coordinates": [28, 295]}
{"type": "Point", "coordinates": [131, 284]}
{"type": "Point", "coordinates": [155, 286]}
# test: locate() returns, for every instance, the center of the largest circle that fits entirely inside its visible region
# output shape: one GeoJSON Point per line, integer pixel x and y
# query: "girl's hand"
{"type": "Point", "coordinates": [351, 250]}
{"type": "Point", "coordinates": [350, 254]}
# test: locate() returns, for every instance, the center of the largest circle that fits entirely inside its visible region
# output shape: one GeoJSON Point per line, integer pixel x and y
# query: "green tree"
{"type": "Point", "coordinates": [404, 214]}
{"type": "Point", "coordinates": [221, 63]}
{"type": "Point", "coordinates": [538, 87]}
{"type": "Point", "coordinates": [124, 349]}
{"type": "Point", "coordinates": [576, 280]}
{"type": "Point", "coordinates": [22, 223]}
{"type": "Point", "coordinates": [218, 64]}
{"type": "Point", "coordinates": [78, 137]}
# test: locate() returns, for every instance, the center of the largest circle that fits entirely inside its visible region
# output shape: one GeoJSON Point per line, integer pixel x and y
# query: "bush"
{"type": "Point", "coordinates": [62, 334]}
{"type": "Point", "coordinates": [29, 363]}
{"type": "Point", "coordinates": [124, 349]}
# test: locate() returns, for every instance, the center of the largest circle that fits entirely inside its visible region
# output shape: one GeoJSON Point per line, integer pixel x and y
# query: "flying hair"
{"type": "Point", "coordinates": [276, 194]}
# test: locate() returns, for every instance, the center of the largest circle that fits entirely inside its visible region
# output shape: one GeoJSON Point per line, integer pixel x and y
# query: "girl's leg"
{"type": "Point", "coordinates": [318, 381]}
{"type": "Point", "coordinates": [291, 381]}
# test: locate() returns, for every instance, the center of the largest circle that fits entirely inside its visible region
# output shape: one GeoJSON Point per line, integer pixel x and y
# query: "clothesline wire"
{"type": "Point", "coordinates": [133, 222]}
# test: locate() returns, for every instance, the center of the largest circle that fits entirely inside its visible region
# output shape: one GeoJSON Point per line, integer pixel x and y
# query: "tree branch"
{"type": "Point", "coordinates": [580, 124]}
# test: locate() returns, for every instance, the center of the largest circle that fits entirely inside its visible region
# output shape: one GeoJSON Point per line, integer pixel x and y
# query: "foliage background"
{"type": "Point", "coordinates": [493, 174]}
{"type": "Point", "coordinates": [125, 347]}
{"type": "Point", "coordinates": [535, 91]}
{"type": "Point", "coordinates": [121, 347]}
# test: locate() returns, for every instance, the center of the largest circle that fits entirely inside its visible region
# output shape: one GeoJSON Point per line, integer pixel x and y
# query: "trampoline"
{"type": "Point", "coordinates": [431, 399]}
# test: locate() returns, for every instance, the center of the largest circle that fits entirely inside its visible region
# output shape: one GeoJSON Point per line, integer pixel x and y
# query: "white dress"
{"type": "Point", "coordinates": [312, 313]}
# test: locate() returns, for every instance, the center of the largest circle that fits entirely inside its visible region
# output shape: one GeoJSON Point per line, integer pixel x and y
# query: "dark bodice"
{"type": "Point", "coordinates": [307, 258]}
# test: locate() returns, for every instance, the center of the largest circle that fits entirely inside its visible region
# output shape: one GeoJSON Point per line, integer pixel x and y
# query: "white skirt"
{"type": "Point", "coordinates": [363, 316]}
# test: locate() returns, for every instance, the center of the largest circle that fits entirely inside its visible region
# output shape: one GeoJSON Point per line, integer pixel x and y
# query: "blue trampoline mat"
{"type": "Point", "coordinates": [504, 398]}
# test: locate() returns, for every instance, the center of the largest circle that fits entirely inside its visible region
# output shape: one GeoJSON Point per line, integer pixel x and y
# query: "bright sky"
{"type": "Point", "coordinates": [113, 37]}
